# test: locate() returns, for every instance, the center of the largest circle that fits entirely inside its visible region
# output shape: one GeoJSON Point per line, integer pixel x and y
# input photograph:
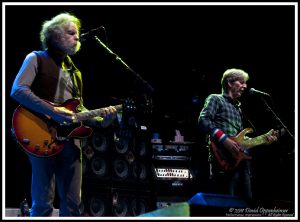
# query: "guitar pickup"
{"type": "Point", "coordinates": [53, 149]}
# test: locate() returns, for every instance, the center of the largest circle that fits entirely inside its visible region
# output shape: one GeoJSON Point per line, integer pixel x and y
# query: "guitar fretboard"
{"type": "Point", "coordinates": [260, 140]}
{"type": "Point", "coordinates": [85, 115]}
{"type": "Point", "coordinates": [256, 141]}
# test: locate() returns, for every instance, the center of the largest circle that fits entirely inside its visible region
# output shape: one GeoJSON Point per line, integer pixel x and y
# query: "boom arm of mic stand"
{"type": "Point", "coordinates": [149, 87]}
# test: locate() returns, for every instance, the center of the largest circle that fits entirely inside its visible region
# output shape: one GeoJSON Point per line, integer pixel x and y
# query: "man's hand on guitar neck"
{"type": "Point", "coordinates": [272, 136]}
{"type": "Point", "coordinates": [109, 115]}
{"type": "Point", "coordinates": [63, 116]}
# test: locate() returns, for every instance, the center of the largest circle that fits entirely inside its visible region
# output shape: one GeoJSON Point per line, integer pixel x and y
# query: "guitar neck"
{"type": "Point", "coordinates": [85, 115]}
{"type": "Point", "coordinates": [256, 141]}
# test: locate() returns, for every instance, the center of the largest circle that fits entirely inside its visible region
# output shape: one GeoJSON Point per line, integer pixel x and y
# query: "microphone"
{"type": "Point", "coordinates": [253, 91]}
{"type": "Point", "coordinates": [90, 34]}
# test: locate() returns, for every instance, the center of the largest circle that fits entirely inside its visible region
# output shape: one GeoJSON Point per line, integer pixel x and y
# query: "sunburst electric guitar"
{"type": "Point", "coordinates": [41, 136]}
{"type": "Point", "coordinates": [229, 160]}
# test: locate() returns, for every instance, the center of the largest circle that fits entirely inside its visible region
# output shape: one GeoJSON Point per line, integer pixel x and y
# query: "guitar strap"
{"type": "Point", "coordinates": [244, 117]}
{"type": "Point", "coordinates": [77, 83]}
{"type": "Point", "coordinates": [75, 77]}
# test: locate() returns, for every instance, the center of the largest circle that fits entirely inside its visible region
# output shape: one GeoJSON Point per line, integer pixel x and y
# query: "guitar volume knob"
{"type": "Point", "coordinates": [46, 142]}
{"type": "Point", "coordinates": [25, 141]}
{"type": "Point", "coordinates": [37, 147]}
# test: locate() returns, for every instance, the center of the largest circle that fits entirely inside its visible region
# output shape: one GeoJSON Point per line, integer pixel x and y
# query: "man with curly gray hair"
{"type": "Point", "coordinates": [50, 77]}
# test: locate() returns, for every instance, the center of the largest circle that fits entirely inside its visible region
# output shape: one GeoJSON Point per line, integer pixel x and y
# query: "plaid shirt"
{"type": "Point", "coordinates": [220, 112]}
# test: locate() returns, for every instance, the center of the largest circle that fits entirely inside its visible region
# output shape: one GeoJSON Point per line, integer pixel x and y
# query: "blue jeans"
{"type": "Point", "coordinates": [62, 170]}
{"type": "Point", "coordinates": [240, 182]}
{"type": "Point", "coordinates": [237, 184]}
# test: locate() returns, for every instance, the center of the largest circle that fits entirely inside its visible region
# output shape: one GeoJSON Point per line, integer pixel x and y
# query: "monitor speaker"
{"type": "Point", "coordinates": [210, 204]}
{"type": "Point", "coordinates": [174, 210]}
{"type": "Point", "coordinates": [201, 205]}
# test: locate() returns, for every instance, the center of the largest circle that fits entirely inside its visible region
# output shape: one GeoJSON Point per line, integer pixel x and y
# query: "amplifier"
{"type": "Point", "coordinates": [168, 173]}
{"type": "Point", "coordinates": [169, 180]}
{"type": "Point", "coordinates": [172, 146]}
{"type": "Point", "coordinates": [177, 158]}
{"type": "Point", "coordinates": [171, 151]}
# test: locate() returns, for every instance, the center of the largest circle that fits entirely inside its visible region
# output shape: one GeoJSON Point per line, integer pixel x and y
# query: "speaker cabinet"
{"type": "Point", "coordinates": [116, 202]}
{"type": "Point", "coordinates": [96, 158]}
{"type": "Point", "coordinates": [117, 156]}
{"type": "Point", "coordinates": [116, 166]}
{"type": "Point", "coordinates": [131, 158]}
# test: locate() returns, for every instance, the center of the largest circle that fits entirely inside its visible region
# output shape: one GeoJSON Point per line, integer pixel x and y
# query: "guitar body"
{"type": "Point", "coordinates": [34, 133]}
{"type": "Point", "coordinates": [226, 159]}
{"type": "Point", "coordinates": [229, 160]}
{"type": "Point", "coordinates": [41, 136]}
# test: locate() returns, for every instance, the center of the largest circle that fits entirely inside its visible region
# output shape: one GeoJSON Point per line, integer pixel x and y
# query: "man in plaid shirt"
{"type": "Point", "coordinates": [220, 119]}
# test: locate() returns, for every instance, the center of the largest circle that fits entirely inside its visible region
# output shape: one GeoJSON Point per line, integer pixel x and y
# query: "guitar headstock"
{"type": "Point", "coordinates": [280, 132]}
{"type": "Point", "coordinates": [131, 106]}
{"type": "Point", "coordinates": [274, 133]}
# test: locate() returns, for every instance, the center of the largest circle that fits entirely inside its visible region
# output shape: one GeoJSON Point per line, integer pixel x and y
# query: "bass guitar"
{"type": "Point", "coordinates": [229, 160]}
{"type": "Point", "coordinates": [41, 136]}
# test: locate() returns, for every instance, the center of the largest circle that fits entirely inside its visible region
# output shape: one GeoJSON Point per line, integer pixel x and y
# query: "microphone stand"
{"type": "Point", "coordinates": [117, 58]}
{"type": "Point", "coordinates": [133, 125]}
{"type": "Point", "coordinates": [277, 118]}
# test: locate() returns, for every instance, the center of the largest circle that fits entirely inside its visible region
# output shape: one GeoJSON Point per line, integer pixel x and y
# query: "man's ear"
{"type": "Point", "coordinates": [229, 84]}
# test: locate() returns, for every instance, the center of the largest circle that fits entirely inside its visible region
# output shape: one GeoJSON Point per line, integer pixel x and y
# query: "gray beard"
{"type": "Point", "coordinates": [71, 50]}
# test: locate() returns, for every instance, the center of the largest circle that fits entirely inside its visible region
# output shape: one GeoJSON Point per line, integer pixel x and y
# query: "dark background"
{"type": "Point", "coordinates": [182, 52]}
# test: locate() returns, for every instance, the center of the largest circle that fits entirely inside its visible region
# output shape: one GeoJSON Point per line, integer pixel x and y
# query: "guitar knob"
{"type": "Point", "coordinates": [25, 141]}
{"type": "Point", "coordinates": [46, 142]}
{"type": "Point", "coordinates": [37, 147]}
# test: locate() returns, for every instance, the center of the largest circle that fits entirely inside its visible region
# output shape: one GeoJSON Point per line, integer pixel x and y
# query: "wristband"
{"type": "Point", "coordinates": [219, 135]}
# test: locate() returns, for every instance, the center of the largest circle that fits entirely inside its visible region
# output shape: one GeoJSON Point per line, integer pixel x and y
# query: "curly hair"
{"type": "Point", "coordinates": [54, 28]}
